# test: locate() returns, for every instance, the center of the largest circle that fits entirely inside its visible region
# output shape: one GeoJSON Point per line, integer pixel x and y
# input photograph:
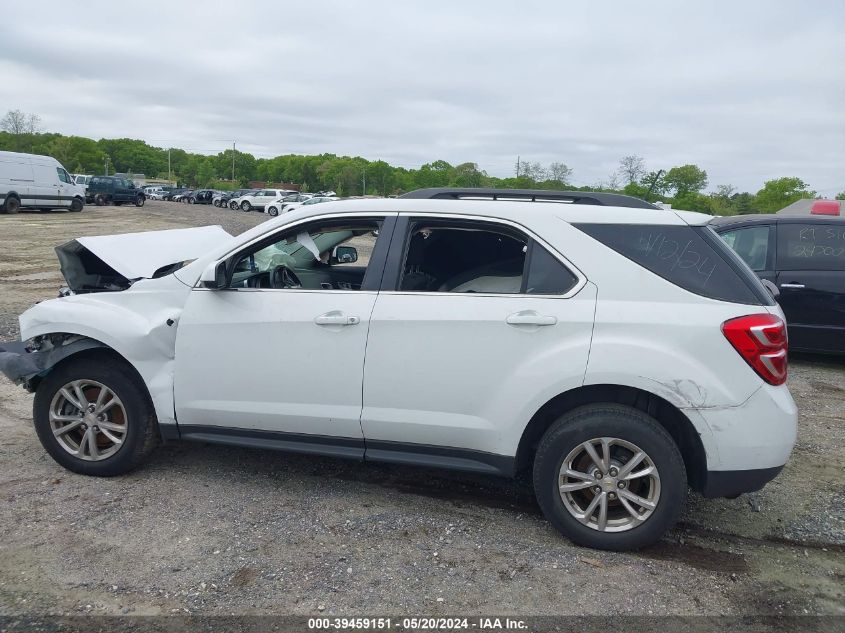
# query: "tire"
{"type": "Point", "coordinates": [100, 199]}
{"type": "Point", "coordinates": [140, 200]}
{"type": "Point", "coordinates": [76, 205]}
{"type": "Point", "coordinates": [274, 211]}
{"type": "Point", "coordinates": [233, 206]}
{"type": "Point", "coordinates": [216, 203]}
{"type": "Point", "coordinates": [246, 206]}
{"type": "Point", "coordinates": [140, 435]}
{"type": "Point", "coordinates": [629, 426]}
{"type": "Point", "coordinates": [191, 200]}
{"type": "Point", "coordinates": [11, 205]}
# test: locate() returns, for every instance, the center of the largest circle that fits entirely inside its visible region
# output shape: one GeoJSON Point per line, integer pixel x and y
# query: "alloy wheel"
{"type": "Point", "coordinates": [88, 420]}
{"type": "Point", "coordinates": [609, 484]}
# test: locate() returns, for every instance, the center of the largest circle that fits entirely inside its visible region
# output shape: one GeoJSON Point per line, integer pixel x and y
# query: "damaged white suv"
{"type": "Point", "coordinates": [615, 351]}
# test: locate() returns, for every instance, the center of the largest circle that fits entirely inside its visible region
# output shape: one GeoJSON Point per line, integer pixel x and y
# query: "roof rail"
{"type": "Point", "coordinates": [532, 195]}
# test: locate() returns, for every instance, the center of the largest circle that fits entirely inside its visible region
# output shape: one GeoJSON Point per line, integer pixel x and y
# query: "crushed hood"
{"type": "Point", "coordinates": [113, 262]}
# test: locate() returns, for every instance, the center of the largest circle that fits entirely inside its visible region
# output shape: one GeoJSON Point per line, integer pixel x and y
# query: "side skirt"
{"type": "Point", "coordinates": [350, 448]}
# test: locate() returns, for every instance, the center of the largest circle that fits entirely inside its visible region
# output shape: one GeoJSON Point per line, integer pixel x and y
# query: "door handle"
{"type": "Point", "coordinates": [794, 286]}
{"type": "Point", "coordinates": [530, 318]}
{"type": "Point", "coordinates": [336, 318]}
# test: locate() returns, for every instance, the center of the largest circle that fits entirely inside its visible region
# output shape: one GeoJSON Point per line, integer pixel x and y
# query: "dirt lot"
{"type": "Point", "coordinates": [221, 531]}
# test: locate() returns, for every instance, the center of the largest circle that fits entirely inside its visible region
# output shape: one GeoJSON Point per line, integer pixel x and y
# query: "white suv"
{"type": "Point", "coordinates": [259, 199]}
{"type": "Point", "coordinates": [614, 351]}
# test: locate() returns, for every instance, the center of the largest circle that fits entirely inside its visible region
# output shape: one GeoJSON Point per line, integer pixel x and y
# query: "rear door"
{"type": "Point", "coordinates": [476, 323]}
{"type": "Point", "coordinates": [811, 279]}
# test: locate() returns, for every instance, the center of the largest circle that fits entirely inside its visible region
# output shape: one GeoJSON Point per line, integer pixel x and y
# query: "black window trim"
{"type": "Point", "coordinates": [375, 269]}
{"type": "Point", "coordinates": [401, 239]}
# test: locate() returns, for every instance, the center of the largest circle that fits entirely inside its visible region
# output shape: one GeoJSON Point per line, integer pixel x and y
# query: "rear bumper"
{"type": "Point", "coordinates": [729, 483]}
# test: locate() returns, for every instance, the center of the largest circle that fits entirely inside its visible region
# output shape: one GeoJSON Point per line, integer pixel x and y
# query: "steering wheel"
{"type": "Point", "coordinates": [284, 277]}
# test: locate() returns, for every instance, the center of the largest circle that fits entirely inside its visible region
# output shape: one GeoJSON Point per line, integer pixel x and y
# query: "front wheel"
{"type": "Point", "coordinates": [94, 417]}
{"type": "Point", "coordinates": [76, 205]}
{"type": "Point", "coordinates": [100, 199]}
{"type": "Point", "coordinates": [139, 201]}
{"type": "Point", "coordinates": [233, 206]}
{"type": "Point", "coordinates": [274, 211]}
{"type": "Point", "coordinates": [610, 477]}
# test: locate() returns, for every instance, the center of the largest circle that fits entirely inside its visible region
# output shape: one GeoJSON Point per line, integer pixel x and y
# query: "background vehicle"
{"type": "Point", "coordinates": [314, 200]}
{"type": "Point", "coordinates": [804, 257]}
{"type": "Point", "coordinates": [475, 300]}
{"type": "Point", "coordinates": [37, 182]}
{"type": "Point", "coordinates": [82, 179]}
{"type": "Point", "coordinates": [180, 197]}
{"type": "Point", "coordinates": [258, 199]}
{"type": "Point", "coordinates": [113, 190]}
{"type": "Point", "coordinates": [222, 198]}
{"type": "Point", "coordinates": [200, 196]}
{"type": "Point", "coordinates": [278, 206]}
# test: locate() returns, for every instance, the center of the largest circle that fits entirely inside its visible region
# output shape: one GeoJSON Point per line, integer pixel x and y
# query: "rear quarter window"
{"type": "Point", "coordinates": [811, 246]}
{"type": "Point", "coordinates": [693, 258]}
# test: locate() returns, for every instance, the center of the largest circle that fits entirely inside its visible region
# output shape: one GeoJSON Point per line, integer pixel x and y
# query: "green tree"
{"type": "Point", "coordinates": [205, 173]}
{"type": "Point", "coordinates": [840, 196]}
{"type": "Point", "coordinates": [781, 192]}
{"type": "Point", "coordinates": [685, 179]}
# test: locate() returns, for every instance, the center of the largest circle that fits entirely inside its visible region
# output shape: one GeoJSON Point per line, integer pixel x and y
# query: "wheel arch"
{"type": "Point", "coordinates": [670, 417]}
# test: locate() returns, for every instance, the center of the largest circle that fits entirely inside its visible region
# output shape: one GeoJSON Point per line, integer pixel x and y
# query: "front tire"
{"type": "Point", "coordinates": [140, 200]}
{"type": "Point", "coordinates": [274, 211]}
{"type": "Point", "coordinates": [609, 477]}
{"type": "Point", "coordinates": [76, 205]}
{"type": "Point", "coordinates": [100, 200]}
{"type": "Point", "coordinates": [94, 416]}
{"type": "Point", "coordinates": [12, 205]}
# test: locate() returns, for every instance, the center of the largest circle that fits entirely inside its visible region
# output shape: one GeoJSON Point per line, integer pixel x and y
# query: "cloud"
{"type": "Point", "coordinates": [749, 91]}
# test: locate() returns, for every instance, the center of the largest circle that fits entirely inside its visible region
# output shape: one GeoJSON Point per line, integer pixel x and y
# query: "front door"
{"type": "Point", "coordinates": [483, 325]}
{"type": "Point", "coordinates": [280, 352]}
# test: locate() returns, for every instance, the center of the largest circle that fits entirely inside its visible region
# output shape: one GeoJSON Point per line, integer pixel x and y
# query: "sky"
{"type": "Point", "coordinates": [747, 90]}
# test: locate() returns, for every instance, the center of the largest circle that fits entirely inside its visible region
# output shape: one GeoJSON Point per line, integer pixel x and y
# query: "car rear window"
{"type": "Point", "coordinates": [693, 258]}
{"type": "Point", "coordinates": [811, 246]}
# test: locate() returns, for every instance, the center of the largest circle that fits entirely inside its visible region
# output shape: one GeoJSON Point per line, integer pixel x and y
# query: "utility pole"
{"type": "Point", "coordinates": [517, 166]}
{"type": "Point", "coordinates": [233, 161]}
{"type": "Point", "coordinates": [168, 166]}
{"type": "Point", "coordinates": [106, 165]}
{"type": "Point", "coordinates": [364, 192]}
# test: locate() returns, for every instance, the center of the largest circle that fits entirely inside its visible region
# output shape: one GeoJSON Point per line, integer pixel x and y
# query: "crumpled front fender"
{"type": "Point", "coordinates": [20, 364]}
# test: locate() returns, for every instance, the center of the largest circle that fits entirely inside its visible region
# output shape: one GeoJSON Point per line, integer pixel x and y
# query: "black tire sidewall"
{"type": "Point", "coordinates": [76, 205]}
{"type": "Point", "coordinates": [135, 401]}
{"type": "Point", "coordinates": [624, 423]}
{"type": "Point", "coordinates": [12, 205]}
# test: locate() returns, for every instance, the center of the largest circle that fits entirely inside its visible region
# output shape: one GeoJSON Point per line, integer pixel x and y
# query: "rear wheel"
{"type": "Point", "coordinates": [76, 205]}
{"type": "Point", "coordinates": [246, 206]}
{"type": "Point", "coordinates": [233, 206]}
{"type": "Point", "coordinates": [12, 205]}
{"type": "Point", "coordinates": [609, 477]}
{"type": "Point", "coordinates": [94, 416]}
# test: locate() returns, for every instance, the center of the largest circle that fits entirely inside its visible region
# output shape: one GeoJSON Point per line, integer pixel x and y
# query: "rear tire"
{"type": "Point", "coordinates": [632, 432]}
{"type": "Point", "coordinates": [11, 205]}
{"type": "Point", "coordinates": [246, 206]}
{"type": "Point", "coordinates": [140, 434]}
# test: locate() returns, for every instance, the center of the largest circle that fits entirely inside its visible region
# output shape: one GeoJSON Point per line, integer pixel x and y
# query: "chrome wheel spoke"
{"type": "Point", "coordinates": [602, 522]}
{"type": "Point", "coordinates": [71, 399]}
{"type": "Point", "coordinates": [111, 426]}
{"type": "Point", "coordinates": [111, 437]}
{"type": "Point", "coordinates": [93, 451]}
{"type": "Point", "coordinates": [634, 514]}
{"type": "Point", "coordinates": [591, 451]}
{"type": "Point", "coordinates": [68, 427]}
{"type": "Point", "coordinates": [631, 463]}
{"type": "Point", "coordinates": [649, 470]}
{"type": "Point", "coordinates": [630, 496]}
{"type": "Point", "coordinates": [101, 397]}
{"type": "Point", "coordinates": [108, 405]}
{"type": "Point", "coordinates": [55, 417]}
{"type": "Point", "coordinates": [578, 485]}
{"type": "Point", "coordinates": [80, 395]}
{"type": "Point", "coordinates": [588, 513]}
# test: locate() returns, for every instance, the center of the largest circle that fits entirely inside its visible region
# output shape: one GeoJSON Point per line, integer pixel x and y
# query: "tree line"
{"type": "Point", "coordinates": [682, 186]}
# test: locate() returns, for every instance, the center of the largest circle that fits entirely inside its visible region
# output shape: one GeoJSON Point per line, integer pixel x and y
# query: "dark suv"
{"type": "Point", "coordinates": [113, 190]}
{"type": "Point", "coordinates": [804, 257]}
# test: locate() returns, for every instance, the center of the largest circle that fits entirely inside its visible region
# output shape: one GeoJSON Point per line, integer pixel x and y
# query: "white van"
{"type": "Point", "coordinates": [40, 182]}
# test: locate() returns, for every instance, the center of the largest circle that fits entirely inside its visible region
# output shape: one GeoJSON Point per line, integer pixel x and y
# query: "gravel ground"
{"type": "Point", "coordinates": [214, 530]}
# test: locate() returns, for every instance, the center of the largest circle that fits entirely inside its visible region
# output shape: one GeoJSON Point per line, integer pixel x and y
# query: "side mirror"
{"type": "Point", "coordinates": [345, 254]}
{"type": "Point", "coordinates": [214, 276]}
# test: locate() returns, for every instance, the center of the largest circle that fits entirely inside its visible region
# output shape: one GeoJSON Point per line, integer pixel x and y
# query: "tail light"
{"type": "Point", "coordinates": [762, 341]}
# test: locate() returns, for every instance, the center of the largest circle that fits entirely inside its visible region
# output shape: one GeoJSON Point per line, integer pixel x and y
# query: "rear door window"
{"type": "Point", "coordinates": [811, 246]}
{"type": "Point", "coordinates": [693, 258]}
{"type": "Point", "coordinates": [751, 243]}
